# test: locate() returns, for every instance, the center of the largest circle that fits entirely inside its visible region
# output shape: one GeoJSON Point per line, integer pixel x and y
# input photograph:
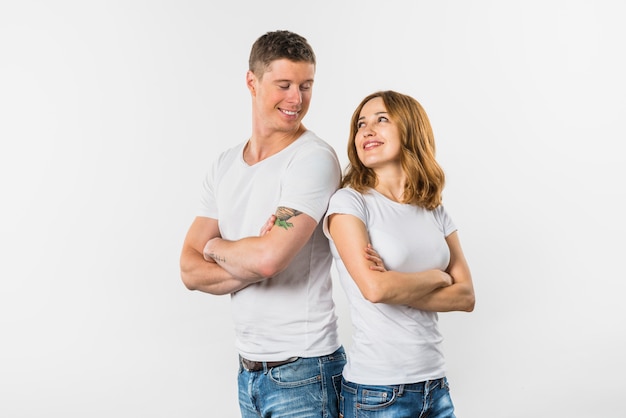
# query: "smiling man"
{"type": "Point", "coordinates": [278, 271]}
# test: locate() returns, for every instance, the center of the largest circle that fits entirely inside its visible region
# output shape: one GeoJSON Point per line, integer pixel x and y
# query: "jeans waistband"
{"type": "Point", "coordinates": [255, 366]}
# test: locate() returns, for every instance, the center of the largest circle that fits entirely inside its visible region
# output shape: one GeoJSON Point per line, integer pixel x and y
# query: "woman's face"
{"type": "Point", "coordinates": [377, 139]}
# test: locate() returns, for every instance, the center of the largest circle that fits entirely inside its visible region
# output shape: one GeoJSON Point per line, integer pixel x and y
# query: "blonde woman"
{"type": "Point", "coordinates": [399, 260]}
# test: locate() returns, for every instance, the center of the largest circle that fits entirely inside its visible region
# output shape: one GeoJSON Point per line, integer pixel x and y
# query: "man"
{"type": "Point", "coordinates": [278, 271]}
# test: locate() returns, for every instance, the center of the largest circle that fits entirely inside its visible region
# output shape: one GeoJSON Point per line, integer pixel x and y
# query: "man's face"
{"type": "Point", "coordinates": [282, 96]}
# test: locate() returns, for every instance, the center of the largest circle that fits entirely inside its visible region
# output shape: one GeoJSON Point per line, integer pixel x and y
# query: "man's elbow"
{"type": "Point", "coordinates": [186, 268]}
{"type": "Point", "coordinates": [269, 265]}
{"type": "Point", "coordinates": [266, 271]}
{"type": "Point", "coordinates": [187, 281]}
{"type": "Point", "coordinates": [186, 273]}
{"type": "Point", "coordinates": [469, 302]}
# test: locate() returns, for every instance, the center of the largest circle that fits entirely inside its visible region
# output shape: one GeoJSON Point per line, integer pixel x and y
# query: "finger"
{"type": "Point", "coordinates": [268, 225]}
{"type": "Point", "coordinates": [374, 258]}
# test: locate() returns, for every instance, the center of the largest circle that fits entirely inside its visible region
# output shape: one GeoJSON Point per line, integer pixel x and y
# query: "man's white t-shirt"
{"type": "Point", "coordinates": [393, 344]}
{"type": "Point", "coordinates": [292, 313]}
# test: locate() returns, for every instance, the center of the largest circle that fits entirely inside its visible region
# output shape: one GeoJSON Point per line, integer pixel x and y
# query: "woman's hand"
{"type": "Point", "coordinates": [377, 262]}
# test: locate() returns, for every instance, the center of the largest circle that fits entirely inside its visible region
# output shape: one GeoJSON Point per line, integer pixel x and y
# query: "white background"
{"type": "Point", "coordinates": [111, 111]}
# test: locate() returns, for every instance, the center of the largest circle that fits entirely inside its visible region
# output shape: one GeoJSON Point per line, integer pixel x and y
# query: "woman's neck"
{"type": "Point", "coordinates": [391, 185]}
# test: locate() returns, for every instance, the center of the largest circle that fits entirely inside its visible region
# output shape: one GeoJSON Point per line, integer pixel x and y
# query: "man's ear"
{"type": "Point", "coordinates": [251, 81]}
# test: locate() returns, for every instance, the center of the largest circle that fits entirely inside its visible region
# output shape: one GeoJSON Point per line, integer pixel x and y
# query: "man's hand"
{"type": "Point", "coordinates": [268, 225]}
{"type": "Point", "coordinates": [207, 254]}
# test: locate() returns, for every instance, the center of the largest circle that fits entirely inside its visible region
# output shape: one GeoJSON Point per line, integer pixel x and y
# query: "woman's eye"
{"type": "Point", "coordinates": [383, 119]}
{"type": "Point", "coordinates": [359, 125]}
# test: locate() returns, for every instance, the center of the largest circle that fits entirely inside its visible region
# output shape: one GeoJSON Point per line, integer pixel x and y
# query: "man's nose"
{"type": "Point", "coordinates": [295, 95]}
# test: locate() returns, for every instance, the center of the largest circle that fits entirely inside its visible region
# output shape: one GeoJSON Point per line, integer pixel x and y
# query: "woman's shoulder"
{"type": "Point", "coordinates": [347, 197]}
{"type": "Point", "coordinates": [348, 193]}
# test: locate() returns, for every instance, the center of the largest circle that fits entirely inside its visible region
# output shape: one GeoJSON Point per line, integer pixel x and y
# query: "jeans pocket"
{"type": "Point", "coordinates": [299, 373]}
{"type": "Point", "coordinates": [374, 399]}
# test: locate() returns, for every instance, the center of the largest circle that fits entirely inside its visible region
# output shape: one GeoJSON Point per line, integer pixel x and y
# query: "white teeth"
{"type": "Point", "coordinates": [290, 113]}
{"type": "Point", "coordinates": [371, 145]}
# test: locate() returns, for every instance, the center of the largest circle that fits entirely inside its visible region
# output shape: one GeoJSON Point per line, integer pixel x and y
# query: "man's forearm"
{"type": "Point", "coordinates": [207, 276]}
{"type": "Point", "coordinates": [242, 259]}
{"type": "Point", "coordinates": [256, 258]}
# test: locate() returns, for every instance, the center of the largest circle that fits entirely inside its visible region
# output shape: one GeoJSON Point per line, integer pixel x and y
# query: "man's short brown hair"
{"type": "Point", "coordinates": [281, 44]}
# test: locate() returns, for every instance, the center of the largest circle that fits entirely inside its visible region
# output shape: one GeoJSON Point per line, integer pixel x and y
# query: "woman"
{"type": "Point", "coordinates": [389, 209]}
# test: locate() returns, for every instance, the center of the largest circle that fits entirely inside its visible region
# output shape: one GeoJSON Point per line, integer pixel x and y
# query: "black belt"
{"type": "Point", "coordinates": [255, 366]}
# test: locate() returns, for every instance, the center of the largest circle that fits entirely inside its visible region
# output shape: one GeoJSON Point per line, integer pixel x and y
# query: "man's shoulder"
{"type": "Point", "coordinates": [229, 154]}
{"type": "Point", "coordinates": [309, 141]}
{"type": "Point", "coordinates": [312, 137]}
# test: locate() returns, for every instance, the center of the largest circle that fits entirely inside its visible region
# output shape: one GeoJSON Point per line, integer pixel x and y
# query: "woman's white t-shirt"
{"type": "Point", "coordinates": [393, 344]}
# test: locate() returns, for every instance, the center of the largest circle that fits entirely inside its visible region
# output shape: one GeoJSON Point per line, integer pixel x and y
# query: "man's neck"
{"type": "Point", "coordinates": [260, 147]}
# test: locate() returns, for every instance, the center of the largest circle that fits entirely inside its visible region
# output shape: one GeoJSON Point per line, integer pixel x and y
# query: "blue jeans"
{"type": "Point", "coordinates": [425, 399]}
{"type": "Point", "coordinates": [306, 388]}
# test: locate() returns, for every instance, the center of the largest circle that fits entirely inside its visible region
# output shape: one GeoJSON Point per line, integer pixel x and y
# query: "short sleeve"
{"type": "Point", "coordinates": [310, 180]}
{"type": "Point", "coordinates": [346, 201]}
{"type": "Point", "coordinates": [444, 220]}
{"type": "Point", "coordinates": [208, 205]}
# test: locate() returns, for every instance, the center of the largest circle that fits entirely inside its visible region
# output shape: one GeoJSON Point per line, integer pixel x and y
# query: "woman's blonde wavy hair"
{"type": "Point", "coordinates": [425, 178]}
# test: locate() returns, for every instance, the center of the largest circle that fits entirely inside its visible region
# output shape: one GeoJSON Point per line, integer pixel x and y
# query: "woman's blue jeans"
{"type": "Point", "coordinates": [425, 399]}
{"type": "Point", "coordinates": [306, 388]}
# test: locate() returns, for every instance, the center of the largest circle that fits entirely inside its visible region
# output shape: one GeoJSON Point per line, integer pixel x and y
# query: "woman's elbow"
{"type": "Point", "coordinates": [373, 297]}
{"type": "Point", "coordinates": [373, 293]}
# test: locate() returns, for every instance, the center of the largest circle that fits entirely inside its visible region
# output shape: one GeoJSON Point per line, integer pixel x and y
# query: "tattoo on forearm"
{"type": "Point", "coordinates": [283, 214]}
{"type": "Point", "coordinates": [217, 258]}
